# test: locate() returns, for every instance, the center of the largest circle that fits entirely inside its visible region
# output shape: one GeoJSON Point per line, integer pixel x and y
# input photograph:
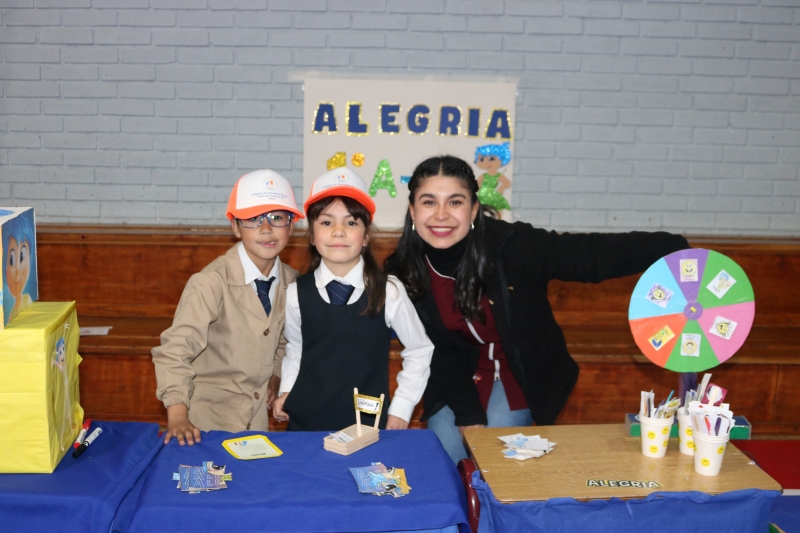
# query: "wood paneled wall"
{"type": "Point", "coordinates": [132, 277]}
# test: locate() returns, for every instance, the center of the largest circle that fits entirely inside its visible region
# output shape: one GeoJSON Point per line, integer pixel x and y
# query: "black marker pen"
{"type": "Point", "coordinates": [87, 442]}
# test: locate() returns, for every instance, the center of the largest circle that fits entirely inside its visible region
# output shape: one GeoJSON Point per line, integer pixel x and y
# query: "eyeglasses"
{"type": "Point", "coordinates": [276, 219]}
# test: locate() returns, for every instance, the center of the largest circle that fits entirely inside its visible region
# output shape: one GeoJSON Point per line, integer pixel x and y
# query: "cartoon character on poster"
{"type": "Point", "coordinates": [60, 363]}
{"type": "Point", "coordinates": [19, 265]}
{"type": "Point", "coordinates": [491, 157]}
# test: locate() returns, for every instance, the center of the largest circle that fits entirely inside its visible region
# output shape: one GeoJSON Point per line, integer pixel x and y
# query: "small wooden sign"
{"type": "Point", "coordinates": [357, 436]}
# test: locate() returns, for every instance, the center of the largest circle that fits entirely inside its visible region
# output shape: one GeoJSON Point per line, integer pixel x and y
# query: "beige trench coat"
{"type": "Point", "coordinates": [222, 348]}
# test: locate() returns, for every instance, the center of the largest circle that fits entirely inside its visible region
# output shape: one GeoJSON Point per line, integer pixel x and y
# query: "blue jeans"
{"type": "Point", "coordinates": [443, 423]}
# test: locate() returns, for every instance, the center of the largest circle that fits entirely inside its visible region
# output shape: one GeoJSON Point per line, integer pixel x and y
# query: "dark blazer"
{"type": "Point", "coordinates": [526, 259]}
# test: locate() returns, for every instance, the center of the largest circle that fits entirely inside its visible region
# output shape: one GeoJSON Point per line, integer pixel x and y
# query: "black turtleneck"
{"type": "Point", "coordinates": [445, 261]}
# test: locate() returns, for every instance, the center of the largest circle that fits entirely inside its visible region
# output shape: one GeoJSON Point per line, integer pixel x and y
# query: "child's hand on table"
{"type": "Point", "coordinates": [277, 408]}
{"type": "Point", "coordinates": [395, 422]}
{"type": "Point", "coordinates": [178, 426]}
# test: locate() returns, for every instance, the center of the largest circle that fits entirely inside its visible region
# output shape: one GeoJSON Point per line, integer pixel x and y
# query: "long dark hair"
{"type": "Point", "coordinates": [374, 277]}
{"type": "Point", "coordinates": [475, 269]}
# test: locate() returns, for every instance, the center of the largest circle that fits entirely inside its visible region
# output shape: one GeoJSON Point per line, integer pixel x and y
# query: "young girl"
{"type": "Point", "coordinates": [339, 318]}
{"type": "Point", "coordinates": [218, 366]}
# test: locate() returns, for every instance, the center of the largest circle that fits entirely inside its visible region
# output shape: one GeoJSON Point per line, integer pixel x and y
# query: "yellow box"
{"type": "Point", "coordinates": [40, 412]}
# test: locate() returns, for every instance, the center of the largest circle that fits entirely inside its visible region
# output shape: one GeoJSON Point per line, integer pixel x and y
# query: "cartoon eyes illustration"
{"type": "Point", "coordinates": [705, 462]}
{"type": "Point", "coordinates": [651, 434]}
{"type": "Point", "coordinates": [721, 450]}
{"type": "Point", "coordinates": [653, 449]}
{"type": "Point", "coordinates": [665, 430]}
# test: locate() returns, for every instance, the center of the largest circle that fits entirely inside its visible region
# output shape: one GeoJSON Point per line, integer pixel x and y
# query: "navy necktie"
{"type": "Point", "coordinates": [339, 293]}
{"type": "Point", "coordinates": [262, 287]}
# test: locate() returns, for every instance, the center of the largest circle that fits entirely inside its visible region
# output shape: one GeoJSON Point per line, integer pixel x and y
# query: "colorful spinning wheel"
{"type": "Point", "coordinates": [691, 310]}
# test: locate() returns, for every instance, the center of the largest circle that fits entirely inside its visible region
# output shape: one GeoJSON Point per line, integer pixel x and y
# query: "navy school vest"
{"type": "Point", "coordinates": [342, 349]}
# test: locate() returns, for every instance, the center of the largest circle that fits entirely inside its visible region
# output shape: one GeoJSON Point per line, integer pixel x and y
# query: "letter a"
{"type": "Point", "coordinates": [383, 179]}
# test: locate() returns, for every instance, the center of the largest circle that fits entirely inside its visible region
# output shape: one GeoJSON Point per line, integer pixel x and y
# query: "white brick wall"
{"type": "Point", "coordinates": [639, 114]}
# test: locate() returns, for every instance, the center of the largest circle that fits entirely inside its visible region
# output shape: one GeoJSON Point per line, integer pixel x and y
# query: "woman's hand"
{"type": "Point", "coordinates": [277, 408]}
{"type": "Point", "coordinates": [178, 426]}
{"type": "Point", "coordinates": [462, 429]}
{"type": "Point", "coordinates": [395, 422]}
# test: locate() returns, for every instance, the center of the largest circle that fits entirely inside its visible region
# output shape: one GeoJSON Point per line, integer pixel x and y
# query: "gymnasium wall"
{"type": "Point", "coordinates": [682, 116]}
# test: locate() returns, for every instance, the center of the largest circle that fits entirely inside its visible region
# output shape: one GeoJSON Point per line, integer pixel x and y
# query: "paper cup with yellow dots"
{"type": "Point", "coordinates": [655, 435]}
{"type": "Point", "coordinates": [708, 453]}
{"type": "Point", "coordinates": [685, 438]}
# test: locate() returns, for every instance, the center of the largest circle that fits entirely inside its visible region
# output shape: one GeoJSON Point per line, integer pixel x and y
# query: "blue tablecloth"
{"type": "Point", "coordinates": [731, 512]}
{"type": "Point", "coordinates": [305, 489]}
{"type": "Point", "coordinates": [81, 495]}
{"type": "Point", "coordinates": [785, 513]}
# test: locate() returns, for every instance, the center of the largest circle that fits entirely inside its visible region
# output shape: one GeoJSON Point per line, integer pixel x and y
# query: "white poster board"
{"type": "Point", "coordinates": [383, 128]}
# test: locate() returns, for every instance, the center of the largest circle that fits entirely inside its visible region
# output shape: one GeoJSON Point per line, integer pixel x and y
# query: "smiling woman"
{"type": "Point", "coordinates": [480, 287]}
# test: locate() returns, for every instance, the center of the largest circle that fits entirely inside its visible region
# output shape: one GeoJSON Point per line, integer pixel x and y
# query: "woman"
{"type": "Point", "coordinates": [480, 288]}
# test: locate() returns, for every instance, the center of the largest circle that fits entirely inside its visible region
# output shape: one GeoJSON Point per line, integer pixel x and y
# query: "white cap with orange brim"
{"type": "Point", "coordinates": [259, 192]}
{"type": "Point", "coordinates": [341, 182]}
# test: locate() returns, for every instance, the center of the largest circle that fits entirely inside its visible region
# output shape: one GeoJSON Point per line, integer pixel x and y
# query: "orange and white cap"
{"type": "Point", "coordinates": [261, 191]}
{"type": "Point", "coordinates": [341, 182]}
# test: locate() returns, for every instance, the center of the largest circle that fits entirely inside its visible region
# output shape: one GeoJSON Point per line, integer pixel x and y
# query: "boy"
{"type": "Point", "coordinates": [218, 366]}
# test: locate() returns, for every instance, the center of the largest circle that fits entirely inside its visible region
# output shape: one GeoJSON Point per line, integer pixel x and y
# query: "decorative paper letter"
{"type": "Point", "coordinates": [388, 120]}
{"type": "Point", "coordinates": [499, 124]}
{"type": "Point", "coordinates": [418, 119]}
{"type": "Point", "coordinates": [324, 117]}
{"type": "Point", "coordinates": [449, 120]}
{"type": "Point", "coordinates": [354, 125]}
{"type": "Point", "coordinates": [383, 179]}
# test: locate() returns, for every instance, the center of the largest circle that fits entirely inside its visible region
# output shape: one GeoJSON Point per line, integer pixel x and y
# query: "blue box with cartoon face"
{"type": "Point", "coordinates": [19, 275]}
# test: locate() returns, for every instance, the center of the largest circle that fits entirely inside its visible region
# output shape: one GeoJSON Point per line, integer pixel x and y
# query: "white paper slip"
{"type": "Point", "coordinates": [536, 444]}
{"type": "Point", "coordinates": [521, 455]}
{"type": "Point", "coordinates": [522, 447]}
{"type": "Point", "coordinates": [341, 436]}
{"type": "Point", "coordinates": [95, 330]}
{"type": "Point", "coordinates": [510, 438]}
{"type": "Point", "coordinates": [251, 447]}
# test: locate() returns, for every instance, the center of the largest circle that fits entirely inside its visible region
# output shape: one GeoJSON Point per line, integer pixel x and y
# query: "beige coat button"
{"type": "Point", "coordinates": [255, 394]}
{"type": "Point", "coordinates": [266, 332]}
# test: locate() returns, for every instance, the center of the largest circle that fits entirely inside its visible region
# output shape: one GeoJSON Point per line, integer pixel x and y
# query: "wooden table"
{"type": "Point", "coordinates": [604, 454]}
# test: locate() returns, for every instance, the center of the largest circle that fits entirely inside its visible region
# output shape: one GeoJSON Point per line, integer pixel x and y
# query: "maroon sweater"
{"type": "Point", "coordinates": [492, 362]}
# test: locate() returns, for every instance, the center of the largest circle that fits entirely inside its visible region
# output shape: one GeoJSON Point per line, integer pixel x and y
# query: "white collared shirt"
{"type": "Point", "coordinates": [252, 273]}
{"type": "Point", "coordinates": [399, 314]}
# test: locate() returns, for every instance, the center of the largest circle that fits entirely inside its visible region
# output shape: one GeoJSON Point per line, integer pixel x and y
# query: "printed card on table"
{"type": "Point", "coordinates": [208, 477]}
{"type": "Point", "coordinates": [381, 481]}
{"type": "Point", "coordinates": [251, 447]}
